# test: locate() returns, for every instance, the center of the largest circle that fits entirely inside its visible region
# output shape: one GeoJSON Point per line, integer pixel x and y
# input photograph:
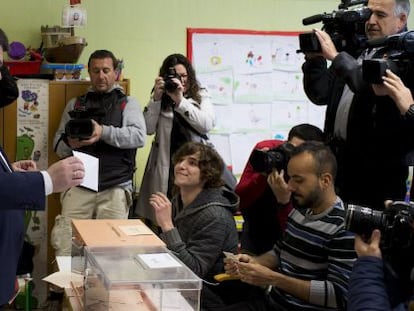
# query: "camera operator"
{"type": "Point", "coordinates": [115, 137]}
{"type": "Point", "coordinates": [368, 287]}
{"type": "Point", "coordinates": [264, 196]}
{"type": "Point", "coordinates": [359, 121]}
{"type": "Point", "coordinates": [179, 111]}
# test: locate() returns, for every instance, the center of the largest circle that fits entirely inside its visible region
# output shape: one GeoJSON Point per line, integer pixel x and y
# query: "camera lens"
{"type": "Point", "coordinates": [363, 220]}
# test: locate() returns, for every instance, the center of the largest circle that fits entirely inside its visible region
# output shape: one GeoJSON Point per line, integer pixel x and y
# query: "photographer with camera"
{"type": "Point", "coordinates": [264, 197]}
{"type": "Point", "coordinates": [370, 286]}
{"type": "Point", "coordinates": [109, 125]}
{"type": "Point", "coordinates": [179, 111]}
{"type": "Point", "coordinates": [358, 119]}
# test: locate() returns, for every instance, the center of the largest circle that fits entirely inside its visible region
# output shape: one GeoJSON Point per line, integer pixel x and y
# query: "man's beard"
{"type": "Point", "coordinates": [310, 201]}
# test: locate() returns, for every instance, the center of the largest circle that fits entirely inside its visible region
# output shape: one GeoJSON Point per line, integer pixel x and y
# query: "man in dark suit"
{"type": "Point", "coordinates": [23, 188]}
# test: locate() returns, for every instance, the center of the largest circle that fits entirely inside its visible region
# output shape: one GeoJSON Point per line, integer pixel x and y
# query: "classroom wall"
{"type": "Point", "coordinates": [144, 32]}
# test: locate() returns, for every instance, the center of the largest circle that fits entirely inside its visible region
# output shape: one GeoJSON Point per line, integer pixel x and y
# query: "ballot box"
{"type": "Point", "coordinates": [138, 278]}
{"type": "Point", "coordinates": [108, 232]}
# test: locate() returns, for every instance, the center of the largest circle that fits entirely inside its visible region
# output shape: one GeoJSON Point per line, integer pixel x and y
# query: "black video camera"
{"type": "Point", "coordinates": [81, 126]}
{"type": "Point", "coordinates": [276, 158]}
{"type": "Point", "coordinates": [346, 27]}
{"type": "Point", "coordinates": [399, 51]}
{"type": "Point", "coordinates": [395, 224]}
{"type": "Point", "coordinates": [169, 84]}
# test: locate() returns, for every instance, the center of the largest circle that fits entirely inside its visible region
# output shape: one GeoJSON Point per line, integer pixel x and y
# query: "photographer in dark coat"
{"type": "Point", "coordinates": [361, 116]}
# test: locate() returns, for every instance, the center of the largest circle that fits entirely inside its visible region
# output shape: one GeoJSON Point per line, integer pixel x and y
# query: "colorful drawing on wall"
{"type": "Point", "coordinates": [32, 143]}
{"type": "Point", "coordinates": [257, 76]}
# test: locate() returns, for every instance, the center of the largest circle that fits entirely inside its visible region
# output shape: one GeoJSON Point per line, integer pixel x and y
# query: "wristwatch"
{"type": "Point", "coordinates": [409, 115]}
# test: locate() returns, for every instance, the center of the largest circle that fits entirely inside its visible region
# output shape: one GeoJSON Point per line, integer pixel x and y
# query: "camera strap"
{"type": "Point", "coordinates": [183, 122]}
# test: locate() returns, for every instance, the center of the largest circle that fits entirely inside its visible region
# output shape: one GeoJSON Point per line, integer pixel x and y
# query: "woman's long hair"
{"type": "Point", "coordinates": [193, 87]}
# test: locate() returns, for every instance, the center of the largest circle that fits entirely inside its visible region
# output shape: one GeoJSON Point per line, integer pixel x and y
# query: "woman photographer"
{"type": "Point", "coordinates": [179, 110]}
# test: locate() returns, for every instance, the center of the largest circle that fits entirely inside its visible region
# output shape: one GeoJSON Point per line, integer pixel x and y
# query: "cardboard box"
{"type": "Point", "coordinates": [113, 232]}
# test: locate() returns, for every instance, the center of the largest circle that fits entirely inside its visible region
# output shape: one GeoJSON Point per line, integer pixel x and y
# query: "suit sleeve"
{"type": "Point", "coordinates": [22, 190]}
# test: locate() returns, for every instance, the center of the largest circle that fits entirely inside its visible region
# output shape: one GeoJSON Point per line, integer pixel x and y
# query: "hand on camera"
{"type": "Point", "coordinates": [177, 94]}
{"type": "Point", "coordinates": [75, 143]}
{"type": "Point", "coordinates": [370, 247]}
{"type": "Point", "coordinates": [394, 87]}
{"type": "Point", "coordinates": [327, 46]}
{"type": "Point", "coordinates": [158, 88]}
{"type": "Point", "coordinates": [277, 183]}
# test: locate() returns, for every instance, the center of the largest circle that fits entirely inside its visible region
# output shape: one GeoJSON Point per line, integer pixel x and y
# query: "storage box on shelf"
{"type": "Point", "coordinates": [21, 67]}
{"type": "Point", "coordinates": [63, 72]}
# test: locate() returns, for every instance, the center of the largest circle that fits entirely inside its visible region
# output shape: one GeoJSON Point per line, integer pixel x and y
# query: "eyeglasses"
{"type": "Point", "coordinates": [182, 76]}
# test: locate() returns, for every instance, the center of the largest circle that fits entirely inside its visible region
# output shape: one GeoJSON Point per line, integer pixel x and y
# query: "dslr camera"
{"type": "Point", "coordinates": [399, 51]}
{"type": "Point", "coordinates": [276, 158]}
{"type": "Point", "coordinates": [395, 223]}
{"type": "Point", "coordinates": [345, 26]}
{"type": "Point", "coordinates": [169, 84]}
{"type": "Point", "coordinates": [397, 239]}
{"type": "Point", "coordinates": [81, 126]}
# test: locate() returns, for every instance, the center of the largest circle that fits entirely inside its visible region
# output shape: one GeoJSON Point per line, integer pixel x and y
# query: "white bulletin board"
{"type": "Point", "coordinates": [254, 79]}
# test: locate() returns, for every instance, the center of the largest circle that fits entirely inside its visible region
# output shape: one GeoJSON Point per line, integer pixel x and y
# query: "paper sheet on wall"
{"type": "Point", "coordinates": [256, 78]}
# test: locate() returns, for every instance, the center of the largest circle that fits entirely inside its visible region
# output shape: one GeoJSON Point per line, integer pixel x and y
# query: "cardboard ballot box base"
{"type": "Point", "coordinates": [113, 232]}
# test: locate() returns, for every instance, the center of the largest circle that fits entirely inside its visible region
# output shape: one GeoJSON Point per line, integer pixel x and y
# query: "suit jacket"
{"type": "Point", "coordinates": [19, 191]}
{"type": "Point", "coordinates": [372, 162]}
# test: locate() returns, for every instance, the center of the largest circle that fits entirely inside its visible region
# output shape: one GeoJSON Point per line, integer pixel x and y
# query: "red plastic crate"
{"type": "Point", "coordinates": [23, 67]}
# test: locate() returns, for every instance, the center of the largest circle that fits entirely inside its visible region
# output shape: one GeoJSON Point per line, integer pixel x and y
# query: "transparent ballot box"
{"type": "Point", "coordinates": [138, 278]}
{"type": "Point", "coordinates": [108, 233]}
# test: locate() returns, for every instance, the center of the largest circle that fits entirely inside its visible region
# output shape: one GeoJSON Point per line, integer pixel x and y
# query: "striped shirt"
{"type": "Point", "coordinates": [319, 249]}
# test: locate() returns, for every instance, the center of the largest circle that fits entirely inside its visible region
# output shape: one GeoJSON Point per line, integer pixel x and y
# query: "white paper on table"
{"type": "Point", "coordinates": [159, 260]}
{"type": "Point", "coordinates": [135, 230]}
{"type": "Point", "coordinates": [91, 165]}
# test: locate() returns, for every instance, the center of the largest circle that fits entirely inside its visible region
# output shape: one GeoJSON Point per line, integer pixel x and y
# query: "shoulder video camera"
{"type": "Point", "coordinates": [399, 52]}
{"type": "Point", "coordinates": [169, 84]}
{"type": "Point", "coordinates": [276, 158]}
{"type": "Point", "coordinates": [81, 126]}
{"type": "Point", "coordinates": [346, 27]}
